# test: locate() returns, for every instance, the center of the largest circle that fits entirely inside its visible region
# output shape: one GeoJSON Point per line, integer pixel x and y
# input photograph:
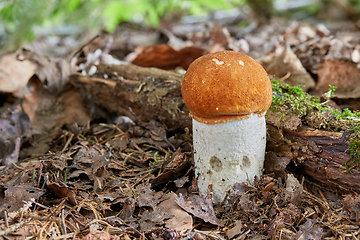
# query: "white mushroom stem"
{"type": "Point", "coordinates": [228, 153]}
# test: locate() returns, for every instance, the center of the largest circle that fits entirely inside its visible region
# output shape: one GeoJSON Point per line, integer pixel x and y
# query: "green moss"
{"type": "Point", "coordinates": [354, 145]}
{"type": "Point", "coordinates": [309, 107]}
{"type": "Point", "coordinates": [294, 97]}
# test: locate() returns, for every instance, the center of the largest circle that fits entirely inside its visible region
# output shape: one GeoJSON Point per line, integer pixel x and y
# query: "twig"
{"type": "Point", "coordinates": [63, 222]}
{"type": "Point", "coordinates": [13, 227]}
{"type": "Point", "coordinates": [67, 143]}
{"type": "Point", "coordinates": [57, 208]}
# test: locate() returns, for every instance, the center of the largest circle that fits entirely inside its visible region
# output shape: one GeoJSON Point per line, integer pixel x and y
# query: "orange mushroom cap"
{"type": "Point", "coordinates": [226, 86]}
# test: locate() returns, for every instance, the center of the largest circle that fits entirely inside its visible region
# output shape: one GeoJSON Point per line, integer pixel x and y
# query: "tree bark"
{"type": "Point", "coordinates": [318, 155]}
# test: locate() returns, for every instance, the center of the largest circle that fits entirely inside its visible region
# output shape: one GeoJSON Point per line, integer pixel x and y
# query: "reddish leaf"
{"type": "Point", "coordinates": [164, 57]}
{"type": "Point", "coordinates": [62, 191]}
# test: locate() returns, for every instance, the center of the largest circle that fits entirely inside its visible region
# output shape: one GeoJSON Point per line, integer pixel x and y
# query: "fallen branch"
{"type": "Point", "coordinates": [143, 94]}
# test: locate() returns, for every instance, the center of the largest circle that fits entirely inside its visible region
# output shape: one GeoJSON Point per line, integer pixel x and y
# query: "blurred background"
{"type": "Point", "coordinates": [23, 21]}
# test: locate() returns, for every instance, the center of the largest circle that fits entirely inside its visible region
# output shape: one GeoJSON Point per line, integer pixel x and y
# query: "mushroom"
{"type": "Point", "coordinates": [227, 94]}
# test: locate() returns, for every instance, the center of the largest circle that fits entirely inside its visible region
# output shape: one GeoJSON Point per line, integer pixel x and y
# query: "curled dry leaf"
{"type": "Point", "coordinates": [53, 72]}
{"type": "Point", "coordinates": [126, 213]}
{"type": "Point", "coordinates": [178, 164]}
{"type": "Point", "coordinates": [46, 111]}
{"type": "Point", "coordinates": [151, 219]}
{"type": "Point", "coordinates": [181, 220]}
{"type": "Point", "coordinates": [287, 63]}
{"type": "Point", "coordinates": [276, 165]}
{"type": "Point", "coordinates": [164, 57]}
{"type": "Point", "coordinates": [199, 207]}
{"type": "Point", "coordinates": [15, 72]}
{"type": "Point", "coordinates": [351, 204]}
{"type": "Point", "coordinates": [294, 189]}
{"type": "Point", "coordinates": [287, 216]}
{"type": "Point", "coordinates": [235, 230]}
{"type": "Point", "coordinates": [156, 216]}
{"type": "Point", "coordinates": [62, 191]}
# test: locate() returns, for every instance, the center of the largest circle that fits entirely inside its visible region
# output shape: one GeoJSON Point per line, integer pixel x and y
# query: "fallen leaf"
{"type": "Point", "coordinates": [164, 57]}
{"type": "Point", "coordinates": [352, 205]}
{"type": "Point", "coordinates": [181, 181]}
{"type": "Point", "coordinates": [294, 189]}
{"type": "Point", "coordinates": [53, 72]}
{"type": "Point", "coordinates": [344, 75]}
{"type": "Point", "coordinates": [199, 207]}
{"type": "Point", "coordinates": [158, 215]}
{"type": "Point", "coordinates": [309, 230]}
{"type": "Point", "coordinates": [126, 213]}
{"type": "Point", "coordinates": [276, 165]}
{"type": "Point", "coordinates": [62, 191]}
{"type": "Point", "coordinates": [47, 111]}
{"type": "Point", "coordinates": [145, 197]}
{"type": "Point", "coordinates": [15, 73]}
{"type": "Point", "coordinates": [181, 220]}
{"type": "Point", "coordinates": [151, 219]}
{"type": "Point", "coordinates": [237, 229]}
{"type": "Point", "coordinates": [15, 130]}
{"type": "Point", "coordinates": [16, 196]}
{"type": "Point", "coordinates": [179, 163]}
{"type": "Point", "coordinates": [287, 63]}
{"type": "Point", "coordinates": [119, 143]}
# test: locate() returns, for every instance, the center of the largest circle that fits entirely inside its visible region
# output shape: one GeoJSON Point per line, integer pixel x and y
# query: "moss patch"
{"type": "Point", "coordinates": [317, 114]}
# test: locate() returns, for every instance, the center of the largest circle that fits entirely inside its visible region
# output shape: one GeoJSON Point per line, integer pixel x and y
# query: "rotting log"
{"type": "Point", "coordinates": [318, 155]}
{"type": "Point", "coordinates": [145, 94]}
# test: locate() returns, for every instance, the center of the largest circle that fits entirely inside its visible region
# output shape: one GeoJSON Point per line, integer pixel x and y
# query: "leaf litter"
{"type": "Point", "coordinates": [68, 174]}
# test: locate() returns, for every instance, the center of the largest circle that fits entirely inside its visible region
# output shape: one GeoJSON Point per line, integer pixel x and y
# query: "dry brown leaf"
{"type": "Point", "coordinates": [93, 163]}
{"type": "Point", "coordinates": [181, 220]}
{"type": "Point", "coordinates": [344, 75]}
{"type": "Point", "coordinates": [164, 57]}
{"type": "Point", "coordinates": [289, 64]}
{"type": "Point", "coordinates": [276, 165]}
{"type": "Point", "coordinates": [15, 72]}
{"type": "Point", "coordinates": [237, 229]}
{"type": "Point", "coordinates": [199, 207]}
{"type": "Point", "coordinates": [53, 72]}
{"type": "Point", "coordinates": [16, 196]}
{"type": "Point", "coordinates": [310, 230]}
{"type": "Point", "coordinates": [15, 128]}
{"type": "Point", "coordinates": [178, 164]}
{"type": "Point", "coordinates": [119, 143]}
{"type": "Point", "coordinates": [294, 189]}
{"type": "Point", "coordinates": [352, 205]}
{"type": "Point", "coordinates": [158, 215]}
{"type": "Point", "coordinates": [46, 111]}
{"type": "Point", "coordinates": [145, 197]}
{"type": "Point", "coordinates": [126, 213]}
{"type": "Point", "coordinates": [62, 191]}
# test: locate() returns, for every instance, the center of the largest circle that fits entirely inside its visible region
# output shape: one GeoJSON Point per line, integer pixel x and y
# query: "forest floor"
{"type": "Point", "coordinates": [81, 159]}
